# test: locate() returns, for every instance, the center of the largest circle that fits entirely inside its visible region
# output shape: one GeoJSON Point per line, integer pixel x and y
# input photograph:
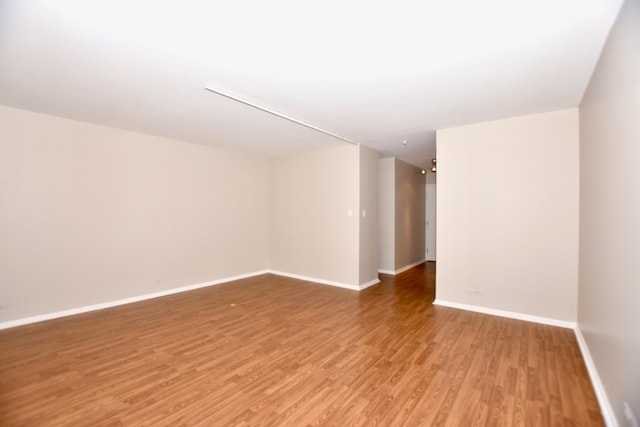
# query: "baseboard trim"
{"type": "Point", "coordinates": [138, 298]}
{"type": "Point", "coordinates": [605, 405]}
{"type": "Point", "coordinates": [109, 304]}
{"type": "Point", "coordinates": [369, 284]}
{"type": "Point", "coordinates": [603, 400]}
{"type": "Point", "coordinates": [401, 270]}
{"type": "Point", "coordinates": [316, 280]}
{"type": "Point", "coordinates": [601, 394]}
{"type": "Point", "coordinates": [508, 314]}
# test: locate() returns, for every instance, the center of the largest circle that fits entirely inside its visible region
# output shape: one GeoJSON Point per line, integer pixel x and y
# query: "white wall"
{"type": "Point", "coordinates": [609, 285]}
{"type": "Point", "coordinates": [90, 214]}
{"type": "Point", "coordinates": [311, 233]}
{"type": "Point", "coordinates": [507, 208]}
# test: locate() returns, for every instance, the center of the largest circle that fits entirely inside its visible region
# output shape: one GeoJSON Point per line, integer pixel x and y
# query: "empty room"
{"type": "Point", "coordinates": [319, 213]}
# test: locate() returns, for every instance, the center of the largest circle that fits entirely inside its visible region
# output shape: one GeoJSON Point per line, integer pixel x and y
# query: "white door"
{"type": "Point", "coordinates": [431, 222]}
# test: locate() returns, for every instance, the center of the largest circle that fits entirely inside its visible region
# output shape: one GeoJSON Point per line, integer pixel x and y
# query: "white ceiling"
{"type": "Point", "coordinates": [374, 72]}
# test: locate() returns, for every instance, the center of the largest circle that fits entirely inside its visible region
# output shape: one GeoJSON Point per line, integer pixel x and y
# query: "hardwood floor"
{"type": "Point", "coordinates": [277, 351]}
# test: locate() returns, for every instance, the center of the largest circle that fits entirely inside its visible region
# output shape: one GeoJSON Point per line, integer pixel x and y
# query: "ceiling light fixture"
{"type": "Point", "coordinates": [276, 113]}
{"type": "Point", "coordinates": [433, 166]}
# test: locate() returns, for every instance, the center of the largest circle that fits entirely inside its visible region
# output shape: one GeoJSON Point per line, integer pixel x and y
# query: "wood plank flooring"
{"type": "Point", "coordinates": [282, 352]}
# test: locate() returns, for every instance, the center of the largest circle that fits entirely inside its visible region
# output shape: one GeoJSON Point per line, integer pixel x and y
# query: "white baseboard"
{"type": "Point", "coordinates": [100, 306]}
{"type": "Point", "coordinates": [327, 282]}
{"type": "Point", "coordinates": [316, 280]}
{"type": "Point", "coordinates": [509, 314]}
{"type": "Point", "coordinates": [370, 283]}
{"type": "Point", "coordinates": [409, 267]}
{"type": "Point", "coordinates": [603, 400]}
{"type": "Point", "coordinates": [109, 304]}
{"type": "Point", "coordinates": [401, 270]}
{"type": "Point", "coordinates": [605, 405]}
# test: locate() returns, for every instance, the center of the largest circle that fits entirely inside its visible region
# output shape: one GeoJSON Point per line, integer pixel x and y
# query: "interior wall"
{"type": "Point", "coordinates": [507, 207]}
{"type": "Point", "coordinates": [430, 238]}
{"type": "Point", "coordinates": [430, 177]}
{"type": "Point", "coordinates": [369, 218]}
{"type": "Point", "coordinates": [609, 285]}
{"type": "Point", "coordinates": [410, 204]}
{"type": "Point", "coordinates": [387, 214]}
{"type": "Point", "coordinates": [314, 229]}
{"type": "Point", "coordinates": [431, 219]}
{"type": "Point", "coordinates": [91, 214]}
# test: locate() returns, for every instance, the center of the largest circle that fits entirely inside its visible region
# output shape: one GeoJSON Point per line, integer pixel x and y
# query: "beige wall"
{"type": "Point", "coordinates": [311, 232]}
{"type": "Point", "coordinates": [410, 213]}
{"type": "Point", "coordinates": [507, 208]}
{"type": "Point", "coordinates": [90, 214]}
{"type": "Point", "coordinates": [430, 177]}
{"type": "Point", "coordinates": [368, 252]}
{"type": "Point", "coordinates": [609, 286]}
{"type": "Point", "coordinates": [387, 214]}
{"type": "Point", "coordinates": [402, 215]}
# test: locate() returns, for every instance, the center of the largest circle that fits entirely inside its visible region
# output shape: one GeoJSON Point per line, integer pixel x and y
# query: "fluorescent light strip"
{"type": "Point", "coordinates": [275, 113]}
